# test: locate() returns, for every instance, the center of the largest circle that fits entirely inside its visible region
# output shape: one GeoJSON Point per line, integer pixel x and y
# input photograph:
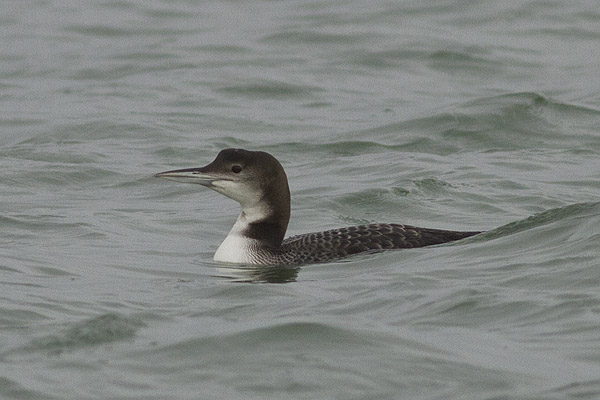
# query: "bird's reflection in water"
{"type": "Point", "coordinates": [258, 273]}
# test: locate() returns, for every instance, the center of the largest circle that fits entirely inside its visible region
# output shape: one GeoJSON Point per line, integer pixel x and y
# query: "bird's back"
{"type": "Point", "coordinates": [338, 243]}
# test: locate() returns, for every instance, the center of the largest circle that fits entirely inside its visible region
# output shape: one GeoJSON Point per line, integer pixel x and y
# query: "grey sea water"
{"type": "Point", "coordinates": [449, 114]}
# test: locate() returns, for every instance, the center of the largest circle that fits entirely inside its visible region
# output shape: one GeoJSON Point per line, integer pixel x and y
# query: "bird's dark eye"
{"type": "Point", "coordinates": [236, 169]}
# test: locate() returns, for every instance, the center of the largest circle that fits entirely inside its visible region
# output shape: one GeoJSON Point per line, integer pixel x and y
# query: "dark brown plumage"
{"type": "Point", "coordinates": [339, 243]}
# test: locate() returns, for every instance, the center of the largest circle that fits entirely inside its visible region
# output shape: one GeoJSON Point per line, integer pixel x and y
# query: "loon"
{"type": "Point", "coordinates": [257, 181]}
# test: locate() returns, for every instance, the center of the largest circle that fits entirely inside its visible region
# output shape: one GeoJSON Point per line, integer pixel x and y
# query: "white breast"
{"type": "Point", "coordinates": [236, 249]}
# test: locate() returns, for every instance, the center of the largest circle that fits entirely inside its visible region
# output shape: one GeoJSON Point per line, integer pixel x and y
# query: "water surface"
{"type": "Point", "coordinates": [455, 115]}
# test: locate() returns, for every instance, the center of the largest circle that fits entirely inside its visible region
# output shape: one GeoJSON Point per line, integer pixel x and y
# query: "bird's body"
{"type": "Point", "coordinates": [258, 182]}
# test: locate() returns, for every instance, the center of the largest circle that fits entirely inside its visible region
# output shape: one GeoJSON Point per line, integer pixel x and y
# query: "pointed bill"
{"type": "Point", "coordinates": [189, 175]}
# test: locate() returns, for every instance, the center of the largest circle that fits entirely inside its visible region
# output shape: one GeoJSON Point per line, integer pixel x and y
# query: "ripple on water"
{"type": "Point", "coordinates": [102, 329]}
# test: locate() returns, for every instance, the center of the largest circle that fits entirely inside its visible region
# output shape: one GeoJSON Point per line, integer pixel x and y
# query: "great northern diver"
{"type": "Point", "coordinates": [257, 181]}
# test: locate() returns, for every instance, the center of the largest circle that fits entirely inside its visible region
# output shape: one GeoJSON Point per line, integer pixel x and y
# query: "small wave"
{"type": "Point", "coordinates": [572, 211]}
{"type": "Point", "coordinates": [9, 389]}
{"type": "Point", "coordinates": [270, 89]}
{"type": "Point", "coordinates": [313, 335]}
{"type": "Point", "coordinates": [39, 222]}
{"type": "Point", "coordinates": [513, 121]}
{"type": "Point", "coordinates": [102, 329]}
{"type": "Point", "coordinates": [313, 38]}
